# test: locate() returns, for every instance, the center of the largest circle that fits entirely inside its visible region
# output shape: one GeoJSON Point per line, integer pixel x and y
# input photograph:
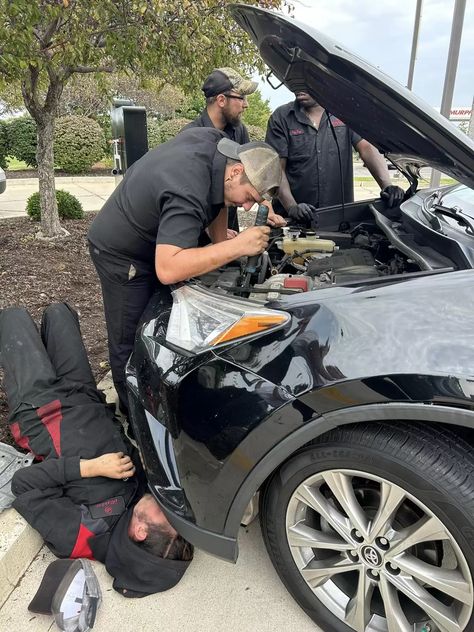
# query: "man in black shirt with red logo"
{"type": "Point", "coordinates": [302, 134]}
{"type": "Point", "coordinates": [83, 496]}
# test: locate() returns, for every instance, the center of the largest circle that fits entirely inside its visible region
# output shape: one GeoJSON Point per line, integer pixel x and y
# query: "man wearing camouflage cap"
{"type": "Point", "coordinates": [226, 100]}
{"type": "Point", "coordinates": [147, 234]}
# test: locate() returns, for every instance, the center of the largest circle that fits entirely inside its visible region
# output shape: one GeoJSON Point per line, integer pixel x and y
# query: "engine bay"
{"type": "Point", "coordinates": [301, 260]}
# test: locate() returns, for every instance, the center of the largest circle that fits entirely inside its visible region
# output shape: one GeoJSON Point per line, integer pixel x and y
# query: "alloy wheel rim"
{"type": "Point", "coordinates": [377, 557]}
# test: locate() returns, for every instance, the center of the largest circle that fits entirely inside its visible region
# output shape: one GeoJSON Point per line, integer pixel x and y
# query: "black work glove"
{"type": "Point", "coordinates": [392, 195]}
{"type": "Point", "coordinates": [302, 213]}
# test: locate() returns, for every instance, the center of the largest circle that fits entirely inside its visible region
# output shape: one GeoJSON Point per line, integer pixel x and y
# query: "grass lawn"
{"type": "Point", "coordinates": [444, 180]}
{"type": "Point", "coordinates": [16, 165]}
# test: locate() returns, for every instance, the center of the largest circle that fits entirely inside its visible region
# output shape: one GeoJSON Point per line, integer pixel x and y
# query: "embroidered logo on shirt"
{"type": "Point", "coordinates": [110, 507]}
{"type": "Point", "coordinates": [296, 132]}
{"type": "Point", "coordinates": [337, 122]}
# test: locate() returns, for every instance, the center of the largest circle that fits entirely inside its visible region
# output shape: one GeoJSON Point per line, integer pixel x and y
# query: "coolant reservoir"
{"type": "Point", "coordinates": [291, 243]}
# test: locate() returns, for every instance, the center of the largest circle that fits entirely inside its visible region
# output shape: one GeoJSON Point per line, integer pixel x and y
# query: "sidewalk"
{"type": "Point", "coordinates": [91, 191]}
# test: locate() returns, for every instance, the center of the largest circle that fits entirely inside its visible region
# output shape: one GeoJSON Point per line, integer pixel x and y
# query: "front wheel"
{"type": "Point", "coordinates": [372, 529]}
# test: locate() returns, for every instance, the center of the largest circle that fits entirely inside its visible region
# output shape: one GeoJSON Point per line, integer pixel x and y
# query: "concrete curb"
{"type": "Point", "coordinates": [20, 543]}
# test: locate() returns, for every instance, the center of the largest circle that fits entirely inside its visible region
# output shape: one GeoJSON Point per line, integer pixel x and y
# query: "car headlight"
{"type": "Point", "coordinates": [201, 320]}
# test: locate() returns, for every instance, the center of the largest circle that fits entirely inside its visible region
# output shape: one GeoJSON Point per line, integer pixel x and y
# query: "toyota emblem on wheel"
{"type": "Point", "coordinates": [371, 556]}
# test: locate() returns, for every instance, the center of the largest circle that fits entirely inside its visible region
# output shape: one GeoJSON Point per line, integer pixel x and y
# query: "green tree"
{"type": "Point", "coordinates": [192, 105]}
{"type": "Point", "coordinates": [22, 142]}
{"type": "Point", "coordinates": [256, 132]}
{"type": "Point", "coordinates": [4, 144]}
{"type": "Point", "coordinates": [45, 43]}
{"type": "Point", "coordinates": [168, 129]}
{"type": "Point", "coordinates": [258, 111]}
{"type": "Point", "coordinates": [88, 95]}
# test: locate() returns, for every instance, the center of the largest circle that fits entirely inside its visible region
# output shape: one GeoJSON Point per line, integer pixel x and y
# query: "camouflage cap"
{"type": "Point", "coordinates": [222, 80]}
{"type": "Point", "coordinates": [261, 163]}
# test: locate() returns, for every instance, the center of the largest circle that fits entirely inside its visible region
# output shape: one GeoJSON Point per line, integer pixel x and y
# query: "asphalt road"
{"type": "Point", "coordinates": [213, 595]}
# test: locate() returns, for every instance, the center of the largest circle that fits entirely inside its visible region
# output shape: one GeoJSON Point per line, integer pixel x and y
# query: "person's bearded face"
{"type": "Point", "coordinates": [234, 108]}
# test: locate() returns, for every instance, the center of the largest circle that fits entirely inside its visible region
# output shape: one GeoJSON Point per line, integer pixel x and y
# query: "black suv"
{"type": "Point", "coordinates": [337, 381]}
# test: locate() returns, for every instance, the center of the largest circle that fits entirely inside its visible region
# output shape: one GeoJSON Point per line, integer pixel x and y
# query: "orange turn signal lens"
{"type": "Point", "coordinates": [249, 325]}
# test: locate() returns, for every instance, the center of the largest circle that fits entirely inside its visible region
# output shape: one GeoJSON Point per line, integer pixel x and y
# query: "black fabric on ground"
{"type": "Point", "coordinates": [41, 602]}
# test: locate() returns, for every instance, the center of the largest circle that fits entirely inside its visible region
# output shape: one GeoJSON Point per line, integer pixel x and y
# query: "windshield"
{"type": "Point", "coordinates": [461, 197]}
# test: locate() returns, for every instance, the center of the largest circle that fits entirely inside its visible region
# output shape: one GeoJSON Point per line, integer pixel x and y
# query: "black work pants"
{"type": "Point", "coordinates": [39, 368]}
{"type": "Point", "coordinates": [127, 286]}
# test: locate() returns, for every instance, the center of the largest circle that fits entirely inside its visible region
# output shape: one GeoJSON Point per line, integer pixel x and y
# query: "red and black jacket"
{"type": "Point", "coordinates": [64, 508]}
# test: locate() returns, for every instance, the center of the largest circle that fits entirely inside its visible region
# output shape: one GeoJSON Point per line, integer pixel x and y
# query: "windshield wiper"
{"type": "Point", "coordinates": [455, 213]}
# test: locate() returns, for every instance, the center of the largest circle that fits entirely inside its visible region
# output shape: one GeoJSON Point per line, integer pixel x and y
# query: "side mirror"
{"type": "Point", "coordinates": [3, 181]}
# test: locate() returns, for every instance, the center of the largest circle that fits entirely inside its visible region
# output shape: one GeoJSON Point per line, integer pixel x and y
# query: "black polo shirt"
{"type": "Point", "coordinates": [312, 164]}
{"type": "Point", "coordinates": [167, 197]}
{"type": "Point", "coordinates": [237, 133]}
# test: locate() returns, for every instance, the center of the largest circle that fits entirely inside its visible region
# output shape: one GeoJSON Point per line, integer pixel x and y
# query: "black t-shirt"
{"type": "Point", "coordinates": [167, 197]}
{"type": "Point", "coordinates": [312, 162]}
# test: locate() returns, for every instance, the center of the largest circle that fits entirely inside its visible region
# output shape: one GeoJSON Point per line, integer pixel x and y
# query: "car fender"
{"type": "Point", "coordinates": [428, 413]}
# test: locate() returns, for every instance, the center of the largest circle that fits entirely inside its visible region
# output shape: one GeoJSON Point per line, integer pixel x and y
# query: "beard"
{"type": "Point", "coordinates": [231, 119]}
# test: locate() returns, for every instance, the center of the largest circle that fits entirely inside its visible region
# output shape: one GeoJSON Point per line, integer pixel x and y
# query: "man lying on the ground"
{"type": "Point", "coordinates": [85, 496]}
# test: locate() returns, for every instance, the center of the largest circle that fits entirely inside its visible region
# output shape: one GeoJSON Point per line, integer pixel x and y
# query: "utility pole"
{"type": "Point", "coordinates": [414, 44]}
{"type": "Point", "coordinates": [451, 68]}
{"type": "Point", "coordinates": [470, 132]}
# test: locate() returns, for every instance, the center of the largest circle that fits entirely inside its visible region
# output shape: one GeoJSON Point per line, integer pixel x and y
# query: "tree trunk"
{"type": "Point", "coordinates": [50, 226]}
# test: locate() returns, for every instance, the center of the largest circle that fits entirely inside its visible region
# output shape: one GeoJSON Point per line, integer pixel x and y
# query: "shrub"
{"type": "Point", "coordinates": [255, 132]}
{"type": "Point", "coordinates": [170, 128]}
{"type": "Point", "coordinates": [69, 206]}
{"type": "Point", "coordinates": [4, 150]}
{"type": "Point", "coordinates": [78, 143]}
{"type": "Point", "coordinates": [22, 139]}
{"type": "Point", "coordinates": [106, 126]}
{"type": "Point", "coordinates": [153, 131]}
{"type": "Point", "coordinates": [192, 106]}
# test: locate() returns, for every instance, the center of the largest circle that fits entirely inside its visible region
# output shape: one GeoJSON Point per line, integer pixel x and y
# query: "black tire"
{"type": "Point", "coordinates": [433, 465]}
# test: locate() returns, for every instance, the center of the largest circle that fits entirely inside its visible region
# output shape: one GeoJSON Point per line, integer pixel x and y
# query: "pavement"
{"type": "Point", "coordinates": [213, 595]}
{"type": "Point", "coordinates": [91, 191]}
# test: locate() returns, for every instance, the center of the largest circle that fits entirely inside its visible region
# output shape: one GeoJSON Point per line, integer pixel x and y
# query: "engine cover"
{"type": "Point", "coordinates": [340, 260]}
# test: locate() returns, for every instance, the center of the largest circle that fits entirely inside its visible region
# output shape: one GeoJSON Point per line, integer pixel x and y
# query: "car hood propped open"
{"type": "Point", "coordinates": [406, 129]}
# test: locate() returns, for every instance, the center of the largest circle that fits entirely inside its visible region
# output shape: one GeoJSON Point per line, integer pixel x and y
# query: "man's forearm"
{"type": "Point", "coordinates": [375, 163]}
{"type": "Point", "coordinates": [174, 264]}
{"type": "Point", "coordinates": [189, 262]}
{"type": "Point", "coordinates": [284, 192]}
